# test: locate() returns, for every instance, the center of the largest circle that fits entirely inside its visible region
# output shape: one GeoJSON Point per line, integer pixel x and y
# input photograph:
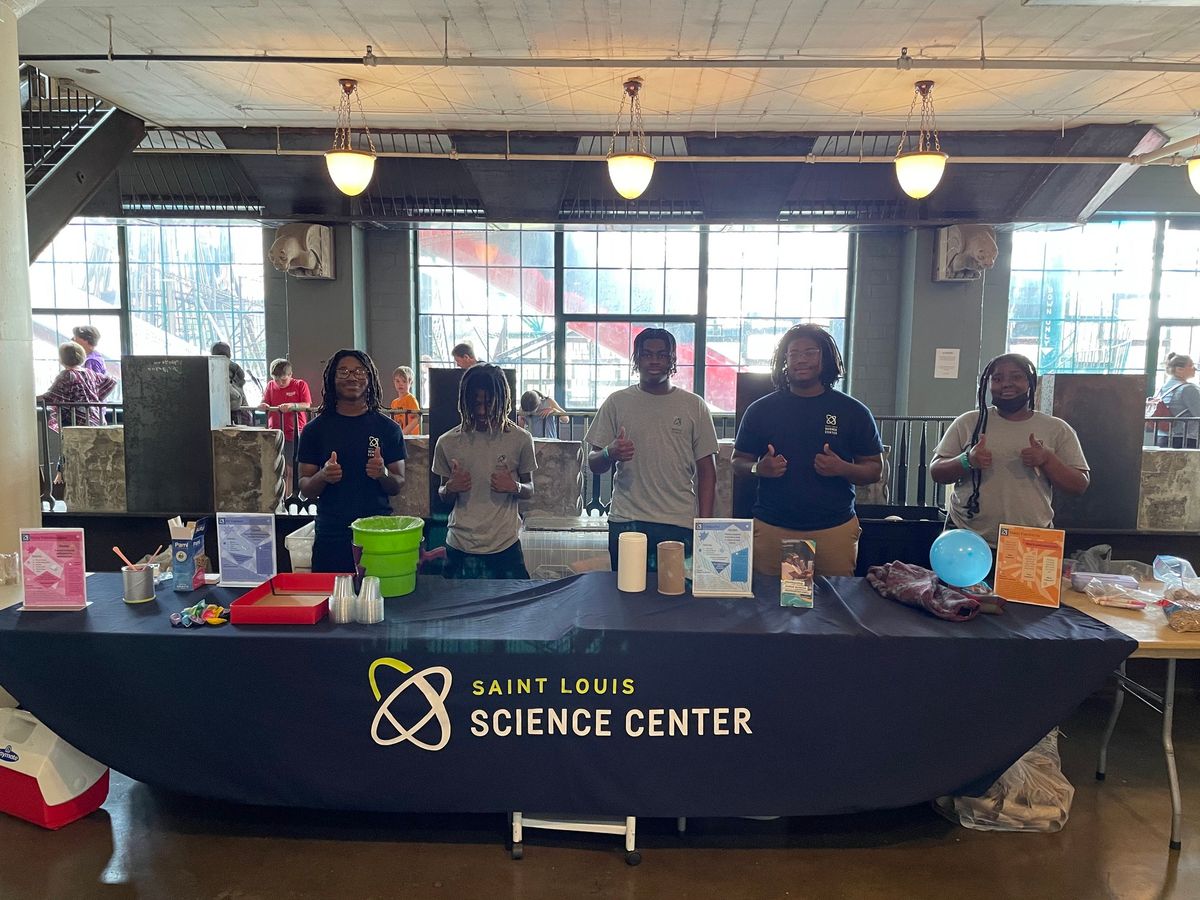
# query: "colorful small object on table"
{"type": "Point", "coordinates": [200, 614]}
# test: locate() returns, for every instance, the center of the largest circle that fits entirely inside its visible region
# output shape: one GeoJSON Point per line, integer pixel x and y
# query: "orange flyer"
{"type": "Point", "coordinates": [1029, 564]}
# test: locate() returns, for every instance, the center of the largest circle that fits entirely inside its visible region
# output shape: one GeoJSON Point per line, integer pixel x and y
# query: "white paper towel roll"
{"type": "Point", "coordinates": [631, 561]}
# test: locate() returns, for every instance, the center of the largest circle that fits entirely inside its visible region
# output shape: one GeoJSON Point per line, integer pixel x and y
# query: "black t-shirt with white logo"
{"type": "Point", "coordinates": [799, 428]}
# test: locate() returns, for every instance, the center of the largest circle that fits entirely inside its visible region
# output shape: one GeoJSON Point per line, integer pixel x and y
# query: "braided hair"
{"type": "Point", "coordinates": [490, 379]}
{"type": "Point", "coordinates": [981, 422]}
{"type": "Point", "coordinates": [653, 334]}
{"type": "Point", "coordinates": [374, 395]}
{"type": "Point", "coordinates": [832, 367]}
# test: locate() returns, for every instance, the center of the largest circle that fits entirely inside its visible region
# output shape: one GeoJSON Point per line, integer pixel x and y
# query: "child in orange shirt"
{"type": "Point", "coordinates": [409, 419]}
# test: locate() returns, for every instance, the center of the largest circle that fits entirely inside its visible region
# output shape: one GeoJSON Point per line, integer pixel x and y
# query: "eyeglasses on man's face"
{"type": "Point", "coordinates": [358, 374]}
{"type": "Point", "coordinates": [810, 355]}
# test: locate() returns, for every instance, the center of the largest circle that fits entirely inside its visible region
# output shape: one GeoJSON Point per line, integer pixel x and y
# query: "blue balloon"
{"type": "Point", "coordinates": [960, 557]}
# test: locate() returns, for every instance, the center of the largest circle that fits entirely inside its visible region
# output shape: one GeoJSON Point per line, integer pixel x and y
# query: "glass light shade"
{"type": "Point", "coordinates": [1194, 173]}
{"type": "Point", "coordinates": [919, 173]}
{"type": "Point", "coordinates": [630, 173]}
{"type": "Point", "coordinates": [351, 170]}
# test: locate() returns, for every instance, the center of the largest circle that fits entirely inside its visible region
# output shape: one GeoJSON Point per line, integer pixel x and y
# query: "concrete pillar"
{"type": "Point", "coordinates": [18, 439]}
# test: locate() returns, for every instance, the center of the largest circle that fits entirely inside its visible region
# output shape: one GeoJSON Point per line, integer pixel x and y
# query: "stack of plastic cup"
{"type": "Point", "coordinates": [391, 551]}
{"type": "Point", "coordinates": [368, 610]}
{"type": "Point", "coordinates": [342, 601]}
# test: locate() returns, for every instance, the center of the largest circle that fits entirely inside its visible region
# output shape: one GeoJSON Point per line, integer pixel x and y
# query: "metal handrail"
{"type": "Point", "coordinates": [53, 115]}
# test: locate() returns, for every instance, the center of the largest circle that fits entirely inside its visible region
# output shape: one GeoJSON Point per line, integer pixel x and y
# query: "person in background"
{"type": "Point", "coordinates": [1182, 399]}
{"type": "Point", "coordinates": [409, 415]}
{"type": "Point", "coordinates": [541, 415]}
{"type": "Point", "coordinates": [464, 355]}
{"type": "Point", "coordinates": [486, 465]}
{"type": "Point", "coordinates": [351, 457]}
{"type": "Point", "coordinates": [74, 384]}
{"type": "Point", "coordinates": [238, 415]}
{"type": "Point", "coordinates": [660, 441]}
{"type": "Point", "coordinates": [1005, 460]}
{"type": "Point", "coordinates": [808, 445]}
{"type": "Point", "coordinates": [287, 401]}
{"type": "Point", "coordinates": [87, 337]}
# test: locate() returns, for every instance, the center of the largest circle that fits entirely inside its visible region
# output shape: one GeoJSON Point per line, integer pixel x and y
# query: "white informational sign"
{"type": "Point", "coordinates": [52, 568]}
{"type": "Point", "coordinates": [945, 362]}
{"type": "Point", "coordinates": [247, 548]}
{"type": "Point", "coordinates": [722, 558]}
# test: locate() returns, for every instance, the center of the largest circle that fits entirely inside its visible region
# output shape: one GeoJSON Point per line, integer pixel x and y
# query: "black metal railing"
{"type": "Point", "coordinates": [54, 118]}
{"type": "Point", "coordinates": [1172, 432]}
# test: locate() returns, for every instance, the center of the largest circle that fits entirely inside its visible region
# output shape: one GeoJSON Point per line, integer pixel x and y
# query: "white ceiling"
{"type": "Point", "coordinates": [585, 99]}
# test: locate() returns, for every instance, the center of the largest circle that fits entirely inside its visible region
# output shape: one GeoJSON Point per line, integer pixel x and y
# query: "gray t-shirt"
{"type": "Point", "coordinates": [482, 520]}
{"type": "Point", "coordinates": [669, 433]}
{"type": "Point", "coordinates": [1009, 492]}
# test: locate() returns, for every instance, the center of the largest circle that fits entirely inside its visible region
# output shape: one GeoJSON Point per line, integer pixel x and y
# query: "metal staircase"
{"type": "Point", "coordinates": [73, 144]}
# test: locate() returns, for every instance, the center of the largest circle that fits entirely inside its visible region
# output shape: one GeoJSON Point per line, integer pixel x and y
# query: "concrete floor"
{"type": "Point", "coordinates": [148, 844]}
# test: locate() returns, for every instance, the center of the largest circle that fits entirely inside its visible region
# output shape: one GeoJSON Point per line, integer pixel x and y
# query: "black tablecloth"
{"type": "Point", "coordinates": [857, 704]}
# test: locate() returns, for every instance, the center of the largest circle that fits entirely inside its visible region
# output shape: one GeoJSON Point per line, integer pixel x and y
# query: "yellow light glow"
{"type": "Point", "coordinates": [351, 170]}
{"type": "Point", "coordinates": [630, 173]}
{"type": "Point", "coordinates": [919, 173]}
{"type": "Point", "coordinates": [1194, 173]}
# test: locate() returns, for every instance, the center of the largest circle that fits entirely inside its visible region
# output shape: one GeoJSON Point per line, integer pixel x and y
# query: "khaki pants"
{"type": "Point", "coordinates": [837, 547]}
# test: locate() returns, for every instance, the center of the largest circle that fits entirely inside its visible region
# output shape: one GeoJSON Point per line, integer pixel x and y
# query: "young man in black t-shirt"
{"type": "Point", "coordinates": [351, 457]}
{"type": "Point", "coordinates": [807, 445]}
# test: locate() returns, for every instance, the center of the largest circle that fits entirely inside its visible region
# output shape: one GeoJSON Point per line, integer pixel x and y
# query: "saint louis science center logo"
{"type": "Point", "coordinates": [397, 733]}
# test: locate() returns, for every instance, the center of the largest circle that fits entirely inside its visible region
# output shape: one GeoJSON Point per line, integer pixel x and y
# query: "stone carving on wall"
{"type": "Point", "coordinates": [964, 252]}
{"type": "Point", "coordinates": [247, 469]}
{"type": "Point", "coordinates": [558, 480]}
{"type": "Point", "coordinates": [413, 497]}
{"type": "Point", "coordinates": [303, 250]}
{"type": "Point", "coordinates": [94, 468]}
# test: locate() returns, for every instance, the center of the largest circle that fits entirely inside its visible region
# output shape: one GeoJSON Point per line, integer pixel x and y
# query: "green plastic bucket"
{"type": "Point", "coordinates": [388, 534]}
{"type": "Point", "coordinates": [389, 565]}
{"type": "Point", "coordinates": [398, 585]}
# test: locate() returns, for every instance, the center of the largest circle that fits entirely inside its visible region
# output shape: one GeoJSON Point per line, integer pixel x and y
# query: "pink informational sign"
{"type": "Point", "coordinates": [52, 568]}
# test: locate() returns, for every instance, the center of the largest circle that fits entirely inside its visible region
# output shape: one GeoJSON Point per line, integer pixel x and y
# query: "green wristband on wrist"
{"type": "Point", "coordinates": [606, 456]}
{"type": "Point", "coordinates": [965, 460]}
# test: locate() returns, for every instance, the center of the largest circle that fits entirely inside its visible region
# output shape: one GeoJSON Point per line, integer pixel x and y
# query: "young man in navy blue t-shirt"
{"type": "Point", "coordinates": [351, 458]}
{"type": "Point", "coordinates": [807, 445]}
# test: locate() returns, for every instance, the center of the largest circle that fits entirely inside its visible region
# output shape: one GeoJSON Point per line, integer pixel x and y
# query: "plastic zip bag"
{"type": "Point", "coordinates": [1181, 599]}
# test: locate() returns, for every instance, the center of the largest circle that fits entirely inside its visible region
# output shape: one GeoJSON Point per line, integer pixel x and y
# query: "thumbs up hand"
{"type": "Point", "coordinates": [1035, 455]}
{"type": "Point", "coordinates": [375, 465]}
{"type": "Point", "coordinates": [979, 456]}
{"type": "Point", "coordinates": [772, 464]}
{"type": "Point", "coordinates": [621, 450]}
{"type": "Point", "coordinates": [829, 464]}
{"type": "Point", "coordinates": [331, 471]}
{"type": "Point", "coordinates": [459, 481]}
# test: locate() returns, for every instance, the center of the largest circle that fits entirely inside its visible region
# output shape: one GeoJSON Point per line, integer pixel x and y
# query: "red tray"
{"type": "Point", "coordinates": [249, 609]}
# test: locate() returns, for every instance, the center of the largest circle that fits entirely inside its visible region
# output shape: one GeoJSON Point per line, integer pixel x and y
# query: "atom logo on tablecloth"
{"type": "Point", "coordinates": [436, 699]}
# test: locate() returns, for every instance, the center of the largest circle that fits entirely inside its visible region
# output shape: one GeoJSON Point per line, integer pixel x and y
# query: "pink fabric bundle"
{"type": "Point", "coordinates": [920, 588]}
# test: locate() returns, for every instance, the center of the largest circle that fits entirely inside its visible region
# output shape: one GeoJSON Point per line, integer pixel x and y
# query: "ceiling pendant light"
{"type": "Point", "coordinates": [630, 170]}
{"type": "Point", "coordinates": [350, 169]}
{"type": "Point", "coordinates": [919, 170]}
{"type": "Point", "coordinates": [1193, 165]}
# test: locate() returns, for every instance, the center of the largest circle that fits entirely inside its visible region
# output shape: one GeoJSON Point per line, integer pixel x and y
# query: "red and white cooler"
{"type": "Point", "coordinates": [43, 779]}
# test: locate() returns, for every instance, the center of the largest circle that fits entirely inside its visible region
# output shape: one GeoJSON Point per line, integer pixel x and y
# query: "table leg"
{"type": "Point", "coordinates": [1118, 702]}
{"type": "Point", "coordinates": [1169, 750]}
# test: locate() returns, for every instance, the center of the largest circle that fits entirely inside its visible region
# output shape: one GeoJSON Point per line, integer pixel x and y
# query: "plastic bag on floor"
{"type": "Point", "coordinates": [1098, 559]}
{"type": "Point", "coordinates": [1033, 795]}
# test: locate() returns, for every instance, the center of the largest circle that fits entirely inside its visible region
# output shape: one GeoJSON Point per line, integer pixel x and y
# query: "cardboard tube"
{"type": "Point", "coordinates": [631, 561]}
{"type": "Point", "coordinates": [670, 567]}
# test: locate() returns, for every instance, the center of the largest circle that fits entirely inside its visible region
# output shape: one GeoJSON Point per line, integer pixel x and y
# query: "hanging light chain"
{"type": "Point", "coordinates": [927, 135]}
{"type": "Point", "coordinates": [343, 132]}
{"type": "Point", "coordinates": [635, 133]}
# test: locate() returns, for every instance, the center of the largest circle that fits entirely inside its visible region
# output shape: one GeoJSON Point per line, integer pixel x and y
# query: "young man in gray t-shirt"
{"type": "Point", "coordinates": [660, 441]}
{"type": "Point", "coordinates": [486, 465]}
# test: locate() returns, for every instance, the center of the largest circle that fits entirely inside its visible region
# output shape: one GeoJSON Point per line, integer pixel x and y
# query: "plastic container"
{"type": "Point", "coordinates": [299, 547]}
{"type": "Point", "coordinates": [389, 565]}
{"type": "Point", "coordinates": [388, 534]}
{"type": "Point", "coordinates": [1080, 580]}
{"type": "Point", "coordinates": [399, 585]}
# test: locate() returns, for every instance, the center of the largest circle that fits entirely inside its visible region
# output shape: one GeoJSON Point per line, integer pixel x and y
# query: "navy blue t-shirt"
{"type": "Point", "coordinates": [357, 495]}
{"type": "Point", "coordinates": [799, 428]}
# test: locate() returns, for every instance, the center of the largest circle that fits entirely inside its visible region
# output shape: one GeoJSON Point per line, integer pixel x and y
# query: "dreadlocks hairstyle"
{"type": "Point", "coordinates": [374, 395]}
{"type": "Point", "coordinates": [491, 380]}
{"type": "Point", "coordinates": [832, 367]}
{"type": "Point", "coordinates": [985, 379]}
{"type": "Point", "coordinates": [653, 334]}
